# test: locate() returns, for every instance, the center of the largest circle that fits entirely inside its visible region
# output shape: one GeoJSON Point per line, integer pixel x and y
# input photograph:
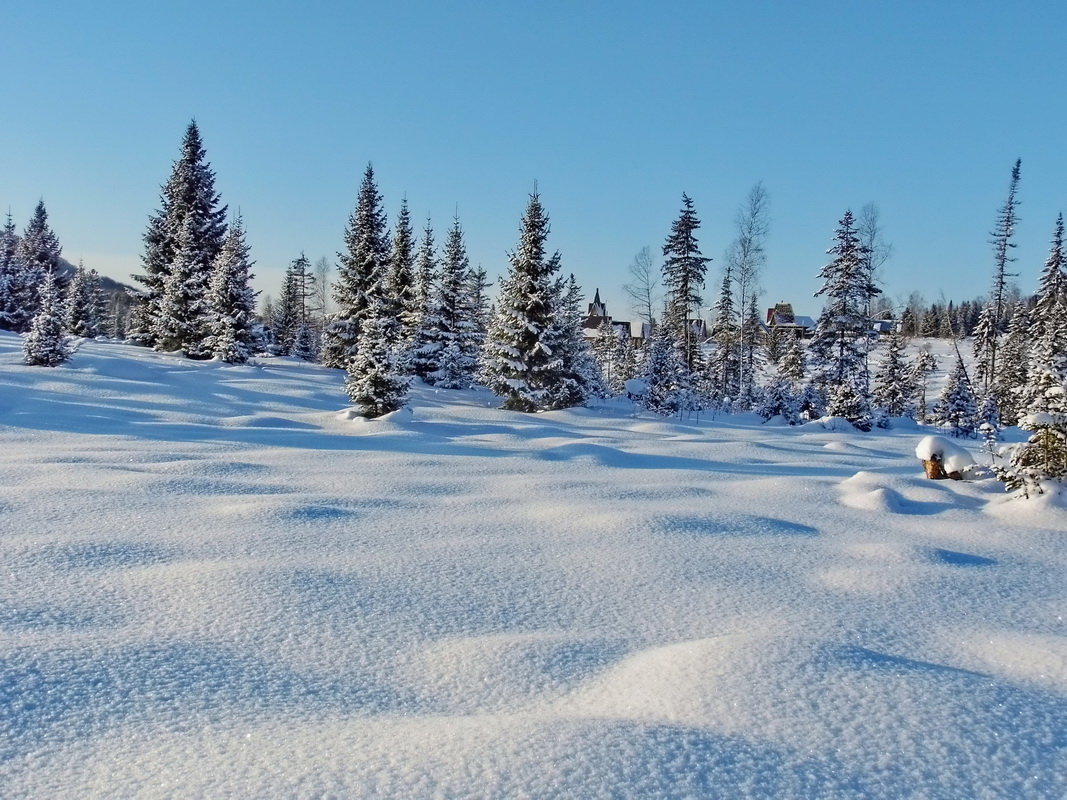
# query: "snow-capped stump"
{"type": "Point", "coordinates": [942, 459]}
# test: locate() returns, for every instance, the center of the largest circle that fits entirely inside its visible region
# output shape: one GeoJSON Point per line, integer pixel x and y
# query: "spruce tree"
{"type": "Point", "coordinates": [185, 234]}
{"type": "Point", "coordinates": [37, 255]}
{"type": "Point", "coordinates": [1011, 366]}
{"type": "Point", "coordinates": [580, 378]}
{"type": "Point", "coordinates": [83, 306]}
{"type": "Point", "coordinates": [45, 344]}
{"type": "Point", "coordinates": [724, 361]}
{"type": "Point", "coordinates": [457, 331]}
{"type": "Point", "coordinates": [1043, 400]}
{"type": "Point", "coordinates": [956, 409]}
{"type": "Point", "coordinates": [922, 367]}
{"type": "Point", "coordinates": [373, 381]}
{"type": "Point", "coordinates": [231, 301]}
{"type": "Point", "coordinates": [11, 317]}
{"type": "Point", "coordinates": [994, 315]}
{"type": "Point", "coordinates": [609, 351]}
{"type": "Point", "coordinates": [893, 390]}
{"type": "Point", "coordinates": [402, 285]}
{"type": "Point", "coordinates": [838, 347]}
{"type": "Point", "coordinates": [684, 268]}
{"type": "Point", "coordinates": [423, 353]}
{"type": "Point", "coordinates": [519, 364]}
{"type": "Point", "coordinates": [361, 273]}
{"type": "Point", "coordinates": [665, 375]}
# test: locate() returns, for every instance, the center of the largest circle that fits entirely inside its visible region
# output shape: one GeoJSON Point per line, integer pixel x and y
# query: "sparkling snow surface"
{"type": "Point", "coordinates": [216, 583]}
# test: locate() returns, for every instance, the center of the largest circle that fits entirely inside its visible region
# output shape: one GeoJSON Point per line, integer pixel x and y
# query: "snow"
{"type": "Point", "coordinates": [218, 582]}
{"type": "Point", "coordinates": [953, 457]}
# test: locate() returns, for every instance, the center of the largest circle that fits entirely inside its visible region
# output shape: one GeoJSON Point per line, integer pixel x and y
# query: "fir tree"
{"type": "Point", "coordinates": [84, 301]}
{"type": "Point", "coordinates": [922, 368]}
{"type": "Point", "coordinates": [893, 390]}
{"type": "Point", "coordinates": [1011, 366]}
{"type": "Point", "coordinates": [12, 315]}
{"type": "Point", "coordinates": [373, 380]}
{"type": "Point", "coordinates": [182, 321]}
{"type": "Point", "coordinates": [838, 346]}
{"type": "Point", "coordinates": [793, 364]}
{"type": "Point", "coordinates": [457, 333]}
{"type": "Point", "coordinates": [37, 255]}
{"type": "Point", "coordinates": [580, 378]}
{"type": "Point", "coordinates": [361, 274]}
{"type": "Point", "coordinates": [423, 353]}
{"type": "Point", "coordinates": [609, 351]}
{"type": "Point", "coordinates": [683, 278]}
{"type": "Point", "coordinates": [519, 364]}
{"type": "Point", "coordinates": [750, 351]}
{"type": "Point", "coordinates": [231, 301]}
{"type": "Point", "coordinates": [1043, 401]}
{"type": "Point", "coordinates": [956, 408]}
{"type": "Point", "coordinates": [45, 345]}
{"type": "Point", "coordinates": [994, 316]}
{"type": "Point", "coordinates": [779, 399]}
{"type": "Point", "coordinates": [402, 286]}
{"type": "Point", "coordinates": [725, 333]}
{"type": "Point", "coordinates": [291, 312]}
{"type": "Point", "coordinates": [186, 234]}
{"type": "Point", "coordinates": [665, 375]}
{"type": "Point", "coordinates": [305, 343]}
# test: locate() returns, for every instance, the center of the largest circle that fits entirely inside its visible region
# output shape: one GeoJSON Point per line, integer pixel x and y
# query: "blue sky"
{"type": "Point", "coordinates": [613, 108]}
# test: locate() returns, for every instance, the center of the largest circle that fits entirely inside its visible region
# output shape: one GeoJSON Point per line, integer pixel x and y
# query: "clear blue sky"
{"type": "Point", "coordinates": [614, 108]}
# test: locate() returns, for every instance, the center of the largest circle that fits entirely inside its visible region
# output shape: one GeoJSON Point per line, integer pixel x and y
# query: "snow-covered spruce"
{"type": "Point", "coordinates": [46, 345]}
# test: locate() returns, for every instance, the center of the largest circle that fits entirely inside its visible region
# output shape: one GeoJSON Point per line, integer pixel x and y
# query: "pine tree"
{"type": "Point", "coordinates": [750, 352]}
{"type": "Point", "coordinates": [402, 286]}
{"type": "Point", "coordinates": [231, 301]}
{"type": "Point", "coordinates": [779, 399]}
{"type": "Point", "coordinates": [45, 345]}
{"type": "Point", "coordinates": [922, 368]}
{"type": "Point", "coordinates": [423, 353]}
{"type": "Point", "coordinates": [793, 364]}
{"type": "Point", "coordinates": [83, 306]}
{"type": "Point", "coordinates": [291, 312]}
{"type": "Point", "coordinates": [1043, 400]}
{"type": "Point", "coordinates": [956, 408]}
{"type": "Point", "coordinates": [610, 353]}
{"type": "Point", "coordinates": [665, 375]}
{"type": "Point", "coordinates": [580, 378]}
{"type": "Point", "coordinates": [838, 346]}
{"type": "Point", "coordinates": [683, 278]}
{"type": "Point", "coordinates": [186, 234]}
{"type": "Point", "coordinates": [519, 364]}
{"type": "Point", "coordinates": [994, 316]}
{"type": "Point", "coordinates": [725, 333]}
{"type": "Point", "coordinates": [373, 380]}
{"type": "Point", "coordinates": [37, 255]}
{"type": "Point", "coordinates": [11, 314]}
{"type": "Point", "coordinates": [305, 343]}
{"type": "Point", "coordinates": [893, 390]}
{"type": "Point", "coordinates": [182, 321]}
{"type": "Point", "coordinates": [361, 273]}
{"type": "Point", "coordinates": [457, 331]}
{"type": "Point", "coordinates": [1011, 366]}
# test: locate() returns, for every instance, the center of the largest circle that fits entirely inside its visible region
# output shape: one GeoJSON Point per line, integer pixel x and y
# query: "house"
{"type": "Point", "coordinates": [781, 317]}
{"type": "Point", "coordinates": [598, 314]}
{"type": "Point", "coordinates": [637, 330]}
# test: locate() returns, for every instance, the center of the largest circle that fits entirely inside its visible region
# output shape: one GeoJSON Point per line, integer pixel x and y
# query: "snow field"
{"type": "Point", "coordinates": [218, 583]}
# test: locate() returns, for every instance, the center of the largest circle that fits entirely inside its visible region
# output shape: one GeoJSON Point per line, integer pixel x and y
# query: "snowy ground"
{"type": "Point", "coordinates": [215, 583]}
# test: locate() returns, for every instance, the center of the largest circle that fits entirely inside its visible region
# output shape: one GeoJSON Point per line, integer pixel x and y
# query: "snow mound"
{"type": "Point", "coordinates": [952, 457]}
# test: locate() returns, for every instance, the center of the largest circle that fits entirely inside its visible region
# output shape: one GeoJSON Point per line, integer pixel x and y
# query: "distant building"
{"type": "Point", "coordinates": [781, 317]}
{"type": "Point", "coordinates": [638, 330]}
{"type": "Point", "coordinates": [598, 314]}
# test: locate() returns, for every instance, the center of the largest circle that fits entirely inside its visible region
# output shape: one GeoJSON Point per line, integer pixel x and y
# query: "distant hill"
{"type": "Point", "coordinates": [108, 285]}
